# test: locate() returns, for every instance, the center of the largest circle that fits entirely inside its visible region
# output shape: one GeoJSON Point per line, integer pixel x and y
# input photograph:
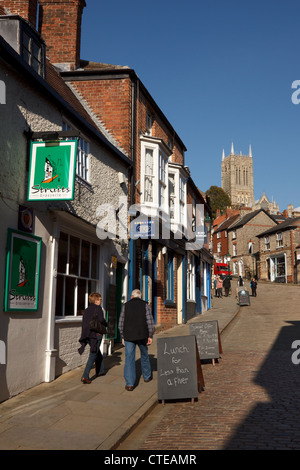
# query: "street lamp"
{"type": "Point", "coordinates": [228, 258]}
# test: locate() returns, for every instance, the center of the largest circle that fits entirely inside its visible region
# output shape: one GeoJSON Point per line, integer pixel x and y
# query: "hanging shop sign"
{"type": "Point", "coordinates": [52, 170]}
{"type": "Point", "coordinates": [142, 229]}
{"type": "Point", "coordinates": [22, 271]}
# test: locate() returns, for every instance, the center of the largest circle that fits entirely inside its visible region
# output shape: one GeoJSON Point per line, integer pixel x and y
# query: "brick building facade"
{"type": "Point", "coordinates": [118, 99]}
{"type": "Point", "coordinates": [279, 252]}
{"type": "Point", "coordinates": [243, 243]}
{"type": "Point", "coordinates": [42, 343]}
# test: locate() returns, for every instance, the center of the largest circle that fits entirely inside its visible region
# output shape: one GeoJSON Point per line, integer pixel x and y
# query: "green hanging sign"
{"type": "Point", "coordinates": [22, 271]}
{"type": "Point", "coordinates": [52, 171]}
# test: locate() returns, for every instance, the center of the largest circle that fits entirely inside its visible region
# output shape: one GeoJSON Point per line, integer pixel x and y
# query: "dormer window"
{"type": "Point", "coordinates": [32, 53]}
{"type": "Point", "coordinates": [25, 40]}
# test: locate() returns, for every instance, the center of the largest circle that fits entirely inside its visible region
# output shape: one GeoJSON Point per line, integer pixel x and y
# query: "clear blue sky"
{"type": "Point", "coordinates": [221, 71]}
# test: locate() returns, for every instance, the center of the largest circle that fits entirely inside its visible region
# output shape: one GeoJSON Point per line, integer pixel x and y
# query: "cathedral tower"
{"type": "Point", "coordinates": [237, 178]}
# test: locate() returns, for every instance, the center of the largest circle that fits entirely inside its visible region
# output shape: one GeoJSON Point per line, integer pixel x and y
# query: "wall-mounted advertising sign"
{"type": "Point", "coordinates": [22, 271]}
{"type": "Point", "coordinates": [52, 170]}
{"type": "Point", "coordinates": [142, 228]}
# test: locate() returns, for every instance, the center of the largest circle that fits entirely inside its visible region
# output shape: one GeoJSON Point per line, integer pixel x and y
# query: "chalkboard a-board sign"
{"type": "Point", "coordinates": [244, 297]}
{"type": "Point", "coordinates": [179, 370]}
{"type": "Point", "coordinates": [208, 339]}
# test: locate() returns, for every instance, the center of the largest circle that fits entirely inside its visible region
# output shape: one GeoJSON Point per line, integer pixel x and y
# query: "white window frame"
{"type": "Point", "coordinates": [234, 250]}
{"type": "Point", "coordinates": [267, 243]}
{"type": "Point", "coordinates": [182, 201]}
{"type": "Point", "coordinates": [83, 155]}
{"type": "Point", "coordinates": [279, 240]}
{"type": "Point", "coordinates": [89, 280]}
{"type": "Point", "coordinates": [191, 277]}
{"type": "Point", "coordinates": [159, 175]}
{"type": "Point", "coordinates": [172, 195]}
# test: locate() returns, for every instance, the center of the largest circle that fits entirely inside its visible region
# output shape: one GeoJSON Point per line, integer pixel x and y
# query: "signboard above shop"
{"type": "Point", "coordinates": [52, 170]}
{"type": "Point", "coordinates": [142, 228]}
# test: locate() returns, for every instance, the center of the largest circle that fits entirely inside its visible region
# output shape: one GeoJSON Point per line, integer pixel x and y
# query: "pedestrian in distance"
{"type": "Point", "coordinates": [215, 284]}
{"type": "Point", "coordinates": [240, 286]}
{"type": "Point", "coordinates": [136, 328]}
{"type": "Point", "coordinates": [226, 285]}
{"type": "Point", "coordinates": [220, 287]}
{"type": "Point", "coordinates": [253, 285]}
{"type": "Point", "coordinates": [92, 338]}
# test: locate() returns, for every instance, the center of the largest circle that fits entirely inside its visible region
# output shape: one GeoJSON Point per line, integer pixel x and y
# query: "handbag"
{"type": "Point", "coordinates": [96, 325]}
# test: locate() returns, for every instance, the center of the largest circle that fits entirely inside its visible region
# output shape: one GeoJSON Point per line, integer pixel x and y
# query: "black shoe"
{"type": "Point", "coordinates": [129, 388]}
{"type": "Point", "coordinates": [148, 380]}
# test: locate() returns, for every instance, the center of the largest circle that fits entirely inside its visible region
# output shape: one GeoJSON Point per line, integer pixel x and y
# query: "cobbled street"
{"type": "Point", "coordinates": [252, 395]}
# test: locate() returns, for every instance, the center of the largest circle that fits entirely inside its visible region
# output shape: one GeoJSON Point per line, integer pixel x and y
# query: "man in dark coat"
{"type": "Point", "coordinates": [226, 285]}
{"type": "Point", "coordinates": [137, 328]}
{"type": "Point", "coordinates": [92, 337]}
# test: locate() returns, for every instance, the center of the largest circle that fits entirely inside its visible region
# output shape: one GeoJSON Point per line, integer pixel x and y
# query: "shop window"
{"type": "Point", "coordinates": [169, 277]}
{"type": "Point", "coordinates": [77, 274]}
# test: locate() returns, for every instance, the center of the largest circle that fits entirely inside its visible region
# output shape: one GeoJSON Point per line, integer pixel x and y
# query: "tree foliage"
{"type": "Point", "coordinates": [218, 200]}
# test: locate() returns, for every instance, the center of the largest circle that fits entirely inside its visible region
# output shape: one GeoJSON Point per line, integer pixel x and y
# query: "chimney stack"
{"type": "Point", "coordinates": [60, 27]}
{"type": "Point", "coordinates": [27, 9]}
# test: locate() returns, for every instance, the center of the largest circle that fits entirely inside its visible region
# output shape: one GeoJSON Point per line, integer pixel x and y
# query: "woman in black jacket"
{"type": "Point", "coordinates": [92, 337]}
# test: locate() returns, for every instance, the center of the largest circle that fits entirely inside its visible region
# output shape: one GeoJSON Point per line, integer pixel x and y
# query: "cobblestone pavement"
{"type": "Point", "coordinates": [252, 395]}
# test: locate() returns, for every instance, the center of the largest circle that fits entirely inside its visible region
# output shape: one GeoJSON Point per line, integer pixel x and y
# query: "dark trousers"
{"type": "Point", "coordinates": [94, 357]}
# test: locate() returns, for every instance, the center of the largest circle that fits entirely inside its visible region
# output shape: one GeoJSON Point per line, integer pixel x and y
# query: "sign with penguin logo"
{"type": "Point", "coordinates": [52, 170]}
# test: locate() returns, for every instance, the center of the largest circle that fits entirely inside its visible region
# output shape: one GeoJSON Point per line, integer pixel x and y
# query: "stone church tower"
{"type": "Point", "coordinates": [237, 178]}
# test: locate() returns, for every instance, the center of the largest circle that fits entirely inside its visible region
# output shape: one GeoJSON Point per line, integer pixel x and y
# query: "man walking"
{"type": "Point", "coordinates": [137, 328]}
{"type": "Point", "coordinates": [227, 285]}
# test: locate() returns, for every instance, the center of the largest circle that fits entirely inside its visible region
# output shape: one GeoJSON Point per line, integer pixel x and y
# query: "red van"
{"type": "Point", "coordinates": [221, 268]}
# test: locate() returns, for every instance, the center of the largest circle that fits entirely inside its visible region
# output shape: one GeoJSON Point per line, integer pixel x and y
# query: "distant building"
{"type": "Point", "coordinates": [243, 244]}
{"type": "Point", "coordinates": [264, 203]}
{"type": "Point", "coordinates": [279, 249]}
{"type": "Point", "coordinates": [237, 178]}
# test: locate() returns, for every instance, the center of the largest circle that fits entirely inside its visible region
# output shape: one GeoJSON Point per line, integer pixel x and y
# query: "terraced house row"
{"type": "Point", "coordinates": [95, 196]}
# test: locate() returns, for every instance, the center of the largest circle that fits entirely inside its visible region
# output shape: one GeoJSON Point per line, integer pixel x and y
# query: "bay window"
{"type": "Point", "coordinates": [154, 173]}
{"type": "Point", "coordinates": [149, 176]}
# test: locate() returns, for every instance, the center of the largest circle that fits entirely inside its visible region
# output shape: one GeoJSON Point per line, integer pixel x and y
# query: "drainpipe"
{"type": "Point", "coordinates": [51, 352]}
{"type": "Point", "coordinates": [131, 270]}
{"type": "Point", "coordinates": [184, 287]}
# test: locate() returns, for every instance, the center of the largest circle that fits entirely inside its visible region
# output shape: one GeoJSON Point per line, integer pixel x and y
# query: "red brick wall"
{"type": "Point", "coordinates": [224, 244]}
{"type": "Point", "coordinates": [27, 9]}
{"type": "Point", "coordinates": [110, 100]}
{"type": "Point", "coordinates": [60, 27]}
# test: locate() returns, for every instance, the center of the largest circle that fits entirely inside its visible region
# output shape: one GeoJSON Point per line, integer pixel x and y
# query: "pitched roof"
{"type": "Point", "coordinates": [227, 223]}
{"type": "Point", "coordinates": [246, 218]}
{"type": "Point", "coordinates": [90, 68]}
{"type": "Point", "coordinates": [289, 224]}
